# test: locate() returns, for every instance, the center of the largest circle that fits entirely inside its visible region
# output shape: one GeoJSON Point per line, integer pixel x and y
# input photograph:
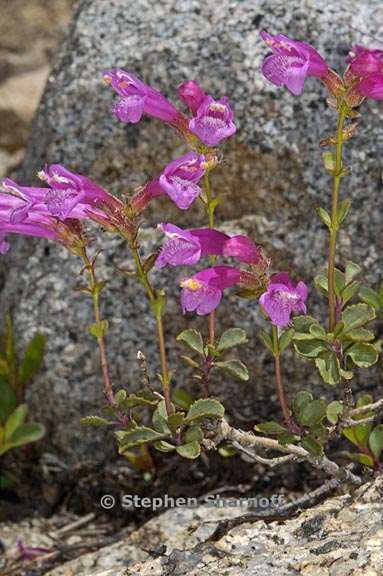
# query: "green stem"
{"type": "Point", "coordinates": [278, 378]}
{"type": "Point", "coordinates": [108, 389]}
{"type": "Point", "coordinates": [338, 173]}
{"type": "Point", "coordinates": [143, 277]}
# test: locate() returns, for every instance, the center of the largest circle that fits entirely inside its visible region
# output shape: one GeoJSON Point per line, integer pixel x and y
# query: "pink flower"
{"type": "Point", "coordinates": [243, 249]}
{"type": "Point", "coordinates": [213, 121]}
{"type": "Point", "coordinates": [137, 98]}
{"type": "Point", "coordinates": [291, 62]}
{"type": "Point", "coordinates": [202, 292]}
{"type": "Point", "coordinates": [364, 62]}
{"type": "Point", "coordinates": [186, 247]}
{"type": "Point", "coordinates": [281, 299]}
{"type": "Point", "coordinates": [192, 95]}
{"type": "Point", "coordinates": [371, 87]}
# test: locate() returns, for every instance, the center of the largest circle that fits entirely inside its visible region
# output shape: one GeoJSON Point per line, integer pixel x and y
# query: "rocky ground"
{"type": "Point", "coordinates": [30, 31]}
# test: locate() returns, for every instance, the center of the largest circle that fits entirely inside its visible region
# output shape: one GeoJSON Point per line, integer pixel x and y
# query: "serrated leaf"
{"type": "Point", "coordinates": [176, 420]}
{"type": "Point", "coordinates": [358, 435]}
{"type": "Point", "coordinates": [301, 400]}
{"type": "Point", "coordinates": [230, 338]}
{"type": "Point", "coordinates": [272, 428]}
{"type": "Point", "coordinates": [357, 315]}
{"type": "Point", "coordinates": [285, 339]}
{"type": "Point", "coordinates": [310, 348]}
{"type": "Point", "coordinates": [191, 450]}
{"type": "Point", "coordinates": [370, 297]}
{"type": "Point", "coordinates": [15, 420]}
{"type": "Point", "coordinates": [194, 433]}
{"type": "Point", "coordinates": [303, 323]}
{"type": "Point", "coordinates": [266, 339]}
{"type": "Point", "coordinates": [312, 446]}
{"type": "Point", "coordinates": [193, 339]}
{"type": "Point", "coordinates": [94, 421]}
{"type": "Point", "coordinates": [362, 354]}
{"type": "Point", "coordinates": [349, 291]}
{"type": "Point", "coordinates": [138, 436]}
{"type": "Point", "coordinates": [235, 368]}
{"type": "Point", "coordinates": [163, 446]}
{"type": "Point", "coordinates": [321, 283]}
{"type": "Point", "coordinates": [182, 398]}
{"type": "Point", "coordinates": [120, 396]}
{"type": "Point", "coordinates": [333, 411]}
{"type": "Point", "coordinates": [205, 408]}
{"type": "Point", "coordinates": [359, 335]}
{"type": "Point", "coordinates": [339, 282]}
{"type": "Point", "coordinates": [189, 361]}
{"type": "Point", "coordinates": [375, 441]}
{"type": "Point", "coordinates": [99, 330]}
{"type": "Point", "coordinates": [329, 368]}
{"type": "Point", "coordinates": [313, 413]}
{"type": "Point", "coordinates": [352, 270]}
{"type": "Point", "coordinates": [33, 358]}
{"type": "Point", "coordinates": [325, 217]}
{"type": "Point", "coordinates": [160, 418]}
{"type": "Point", "coordinates": [143, 398]}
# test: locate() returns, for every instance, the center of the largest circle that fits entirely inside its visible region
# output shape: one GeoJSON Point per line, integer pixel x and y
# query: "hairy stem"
{"type": "Point", "coordinates": [142, 275]}
{"type": "Point", "coordinates": [90, 268]}
{"type": "Point", "coordinates": [337, 176]}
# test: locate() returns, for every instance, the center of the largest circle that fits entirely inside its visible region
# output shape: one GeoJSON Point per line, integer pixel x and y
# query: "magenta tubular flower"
{"type": "Point", "coordinates": [180, 179]}
{"type": "Point", "coordinates": [243, 249]}
{"type": "Point", "coordinates": [137, 98]}
{"type": "Point", "coordinates": [371, 87]}
{"type": "Point", "coordinates": [192, 95]}
{"type": "Point", "coordinates": [291, 62]}
{"type": "Point", "coordinates": [281, 299]}
{"type": "Point", "coordinates": [364, 62]}
{"type": "Point", "coordinates": [186, 247]}
{"type": "Point", "coordinates": [202, 292]}
{"type": "Point", "coordinates": [213, 121]}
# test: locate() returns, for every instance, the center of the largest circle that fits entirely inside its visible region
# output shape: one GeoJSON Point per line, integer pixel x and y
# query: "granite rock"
{"type": "Point", "coordinates": [271, 177]}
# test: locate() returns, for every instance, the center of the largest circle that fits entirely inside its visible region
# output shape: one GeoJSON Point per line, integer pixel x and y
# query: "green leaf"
{"type": "Point", "coordinates": [138, 436]}
{"type": "Point", "coordinates": [359, 335]}
{"type": "Point", "coordinates": [325, 217]}
{"type": "Point", "coordinates": [205, 408]}
{"type": "Point", "coordinates": [321, 283]}
{"type": "Point", "coordinates": [329, 368]}
{"type": "Point", "coordinates": [182, 398]}
{"type": "Point", "coordinates": [266, 339]}
{"type": "Point", "coordinates": [24, 434]}
{"type": "Point", "coordinates": [362, 354]}
{"type": "Point", "coordinates": [313, 413]}
{"type": "Point", "coordinates": [363, 459]}
{"type": "Point", "coordinates": [343, 210]}
{"type": "Point", "coordinates": [375, 441]}
{"type": "Point", "coordinates": [193, 339]}
{"type": "Point", "coordinates": [349, 291]}
{"type": "Point", "coordinates": [120, 396]}
{"type": "Point", "coordinates": [160, 418]}
{"type": "Point", "coordinates": [33, 358]}
{"type": "Point", "coordinates": [370, 297]}
{"type": "Point", "coordinates": [163, 446]}
{"type": "Point", "coordinates": [94, 421]}
{"type": "Point", "coordinates": [15, 420]}
{"type": "Point", "coordinates": [310, 348]}
{"type": "Point", "coordinates": [333, 411]}
{"type": "Point", "coordinates": [194, 433]}
{"type": "Point", "coordinates": [191, 450]}
{"type": "Point", "coordinates": [301, 400]}
{"type": "Point", "coordinates": [329, 162]}
{"type": "Point", "coordinates": [352, 270]}
{"type": "Point", "coordinates": [226, 451]}
{"type": "Point", "coordinates": [272, 428]}
{"type": "Point", "coordinates": [143, 398]}
{"type": "Point", "coordinates": [176, 420]}
{"type": "Point", "coordinates": [357, 316]}
{"type": "Point", "coordinates": [235, 368]}
{"type": "Point", "coordinates": [158, 305]}
{"type": "Point", "coordinates": [99, 330]}
{"type": "Point", "coordinates": [230, 338]}
{"type": "Point", "coordinates": [358, 435]}
{"type": "Point", "coordinates": [288, 438]}
{"type": "Point", "coordinates": [189, 361]}
{"type": "Point", "coordinates": [312, 446]}
{"type": "Point", "coordinates": [339, 281]}
{"type": "Point", "coordinates": [285, 339]}
{"type": "Point", "coordinates": [303, 323]}
{"type": "Point", "coordinates": [8, 401]}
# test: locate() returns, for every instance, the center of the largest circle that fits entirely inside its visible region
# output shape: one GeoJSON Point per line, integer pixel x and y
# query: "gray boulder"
{"type": "Point", "coordinates": [271, 176]}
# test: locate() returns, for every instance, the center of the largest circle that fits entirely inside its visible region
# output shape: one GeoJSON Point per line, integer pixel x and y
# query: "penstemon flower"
{"type": "Point", "coordinates": [192, 95]}
{"type": "Point", "coordinates": [188, 246]}
{"type": "Point", "coordinates": [282, 299]}
{"type": "Point", "coordinates": [213, 121]}
{"type": "Point", "coordinates": [243, 249]}
{"type": "Point", "coordinates": [137, 98]}
{"type": "Point", "coordinates": [364, 62]}
{"type": "Point", "coordinates": [291, 62]}
{"type": "Point", "coordinates": [202, 292]}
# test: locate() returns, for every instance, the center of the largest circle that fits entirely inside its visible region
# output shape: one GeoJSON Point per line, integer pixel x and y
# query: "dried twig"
{"type": "Point", "coordinates": [271, 462]}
